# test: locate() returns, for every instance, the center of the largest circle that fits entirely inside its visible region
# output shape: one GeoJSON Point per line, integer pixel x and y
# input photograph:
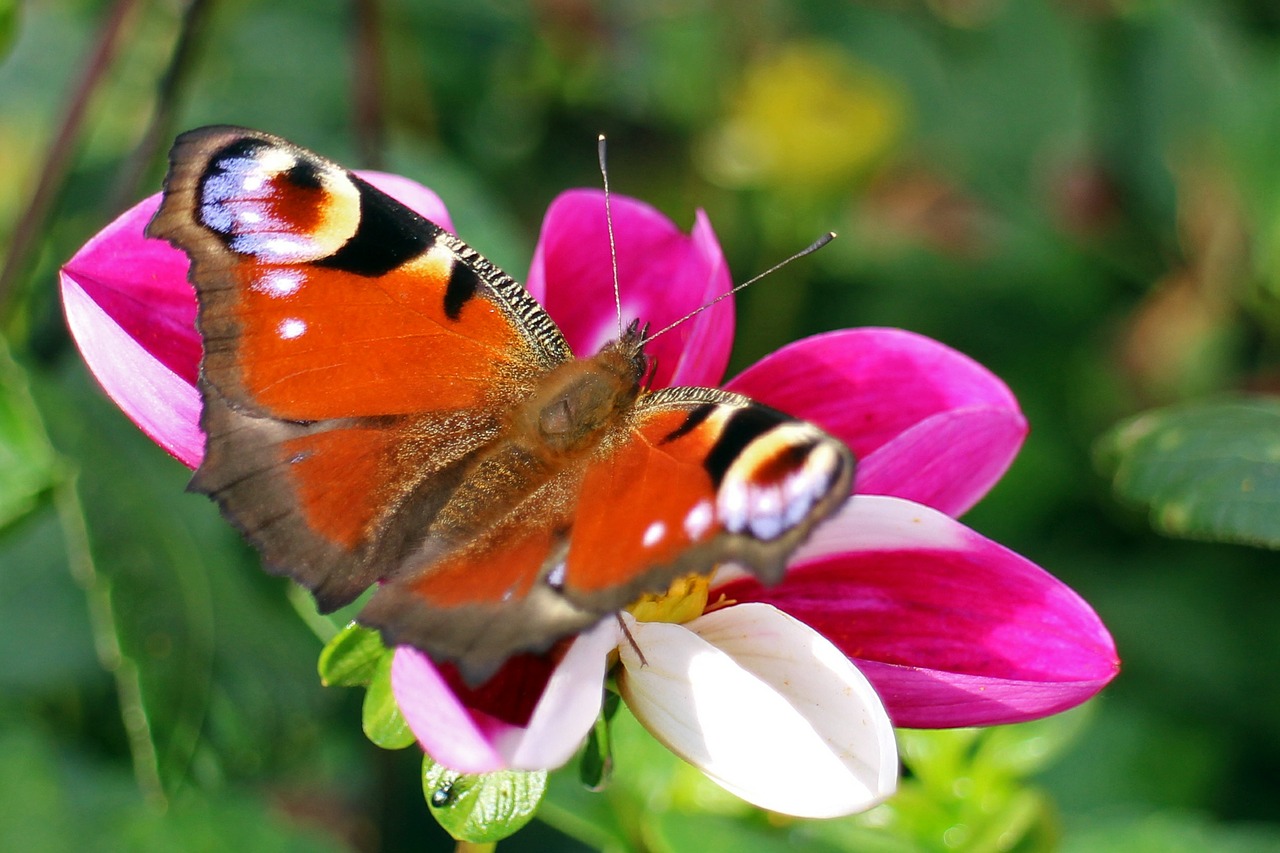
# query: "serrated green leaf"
{"type": "Point", "coordinates": [383, 723]}
{"type": "Point", "coordinates": [351, 658]}
{"type": "Point", "coordinates": [1205, 471]}
{"type": "Point", "coordinates": [485, 807]}
{"type": "Point", "coordinates": [28, 465]}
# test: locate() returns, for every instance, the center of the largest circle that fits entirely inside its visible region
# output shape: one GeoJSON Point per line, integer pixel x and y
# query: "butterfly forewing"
{"type": "Point", "coordinates": [354, 353]}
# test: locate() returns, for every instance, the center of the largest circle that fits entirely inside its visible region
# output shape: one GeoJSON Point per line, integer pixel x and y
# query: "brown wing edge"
{"type": "Point", "coordinates": [478, 639]}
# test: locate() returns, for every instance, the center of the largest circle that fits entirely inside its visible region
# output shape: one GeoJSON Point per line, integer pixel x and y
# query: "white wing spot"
{"type": "Point", "coordinates": [291, 328]}
{"type": "Point", "coordinates": [699, 519]}
{"type": "Point", "coordinates": [555, 578]}
{"type": "Point", "coordinates": [279, 283]}
{"type": "Point", "coordinates": [654, 534]}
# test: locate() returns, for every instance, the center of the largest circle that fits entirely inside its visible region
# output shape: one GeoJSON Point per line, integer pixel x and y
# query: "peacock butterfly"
{"type": "Point", "coordinates": [383, 405]}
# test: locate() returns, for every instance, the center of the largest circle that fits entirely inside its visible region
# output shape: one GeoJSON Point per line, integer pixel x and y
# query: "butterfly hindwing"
{"type": "Point", "coordinates": [703, 477]}
{"type": "Point", "coordinates": [354, 352]}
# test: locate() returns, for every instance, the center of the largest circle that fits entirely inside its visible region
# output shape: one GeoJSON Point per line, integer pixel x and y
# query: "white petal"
{"type": "Point", "coordinates": [568, 707]}
{"type": "Point", "coordinates": [766, 707]}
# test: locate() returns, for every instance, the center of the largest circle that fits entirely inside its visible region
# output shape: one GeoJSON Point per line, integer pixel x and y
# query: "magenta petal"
{"type": "Point", "coordinates": [165, 405]}
{"type": "Point", "coordinates": [447, 730]}
{"type": "Point", "coordinates": [926, 422]}
{"type": "Point", "coordinates": [948, 461]}
{"type": "Point", "coordinates": [952, 628]}
{"type": "Point", "coordinates": [473, 742]}
{"type": "Point", "coordinates": [141, 285]}
{"type": "Point", "coordinates": [132, 313]}
{"type": "Point", "coordinates": [663, 275]}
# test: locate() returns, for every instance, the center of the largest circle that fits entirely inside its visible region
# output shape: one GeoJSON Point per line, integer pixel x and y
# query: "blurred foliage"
{"type": "Point", "coordinates": [1206, 470]}
{"type": "Point", "coordinates": [1084, 195]}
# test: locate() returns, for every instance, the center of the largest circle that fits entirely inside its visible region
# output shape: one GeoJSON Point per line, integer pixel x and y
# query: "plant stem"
{"type": "Point", "coordinates": [171, 84]}
{"type": "Point", "coordinates": [367, 83]}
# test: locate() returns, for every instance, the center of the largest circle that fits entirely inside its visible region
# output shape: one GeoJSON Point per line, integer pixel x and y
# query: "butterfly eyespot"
{"type": "Point", "coordinates": [698, 520]}
{"type": "Point", "coordinates": [266, 202]}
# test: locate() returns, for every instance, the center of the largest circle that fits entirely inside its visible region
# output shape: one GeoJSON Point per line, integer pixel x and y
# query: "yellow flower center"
{"type": "Point", "coordinates": [684, 601]}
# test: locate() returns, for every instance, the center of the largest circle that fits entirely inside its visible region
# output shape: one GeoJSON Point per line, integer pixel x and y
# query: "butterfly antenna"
{"type": "Point", "coordinates": [608, 218]}
{"type": "Point", "coordinates": [808, 250]}
{"type": "Point", "coordinates": [631, 640]}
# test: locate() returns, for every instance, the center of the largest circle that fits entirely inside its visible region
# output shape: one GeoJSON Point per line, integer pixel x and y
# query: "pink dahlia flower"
{"type": "Point", "coordinates": [893, 612]}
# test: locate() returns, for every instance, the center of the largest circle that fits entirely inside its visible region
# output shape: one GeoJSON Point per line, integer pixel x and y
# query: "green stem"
{"type": "Point", "coordinates": [476, 847]}
{"type": "Point", "coordinates": [102, 621]}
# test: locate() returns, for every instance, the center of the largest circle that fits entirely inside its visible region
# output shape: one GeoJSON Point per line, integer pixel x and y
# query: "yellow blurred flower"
{"type": "Point", "coordinates": [806, 117]}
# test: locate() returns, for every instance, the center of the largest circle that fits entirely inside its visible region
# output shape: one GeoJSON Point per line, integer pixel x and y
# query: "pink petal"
{"type": "Point", "coordinates": [926, 422]}
{"type": "Point", "coordinates": [662, 273]}
{"type": "Point", "coordinates": [952, 628]}
{"type": "Point", "coordinates": [132, 313]}
{"type": "Point", "coordinates": [447, 731]}
{"type": "Point", "coordinates": [473, 742]}
{"type": "Point", "coordinates": [142, 286]}
{"type": "Point", "coordinates": [164, 404]}
{"type": "Point", "coordinates": [568, 707]}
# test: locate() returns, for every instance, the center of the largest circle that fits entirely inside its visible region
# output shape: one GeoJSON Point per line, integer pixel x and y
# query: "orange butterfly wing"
{"type": "Point", "coordinates": [355, 352]}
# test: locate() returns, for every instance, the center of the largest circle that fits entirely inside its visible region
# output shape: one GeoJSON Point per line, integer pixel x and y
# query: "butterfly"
{"type": "Point", "coordinates": [385, 407]}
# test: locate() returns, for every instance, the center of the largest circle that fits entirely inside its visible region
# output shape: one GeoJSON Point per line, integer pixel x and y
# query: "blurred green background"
{"type": "Point", "coordinates": [1084, 195]}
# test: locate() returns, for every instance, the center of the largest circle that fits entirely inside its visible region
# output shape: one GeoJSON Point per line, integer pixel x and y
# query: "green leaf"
{"type": "Point", "coordinates": [28, 465]}
{"type": "Point", "coordinates": [351, 658]}
{"type": "Point", "coordinates": [485, 807]}
{"type": "Point", "coordinates": [1205, 471]}
{"type": "Point", "coordinates": [382, 720]}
